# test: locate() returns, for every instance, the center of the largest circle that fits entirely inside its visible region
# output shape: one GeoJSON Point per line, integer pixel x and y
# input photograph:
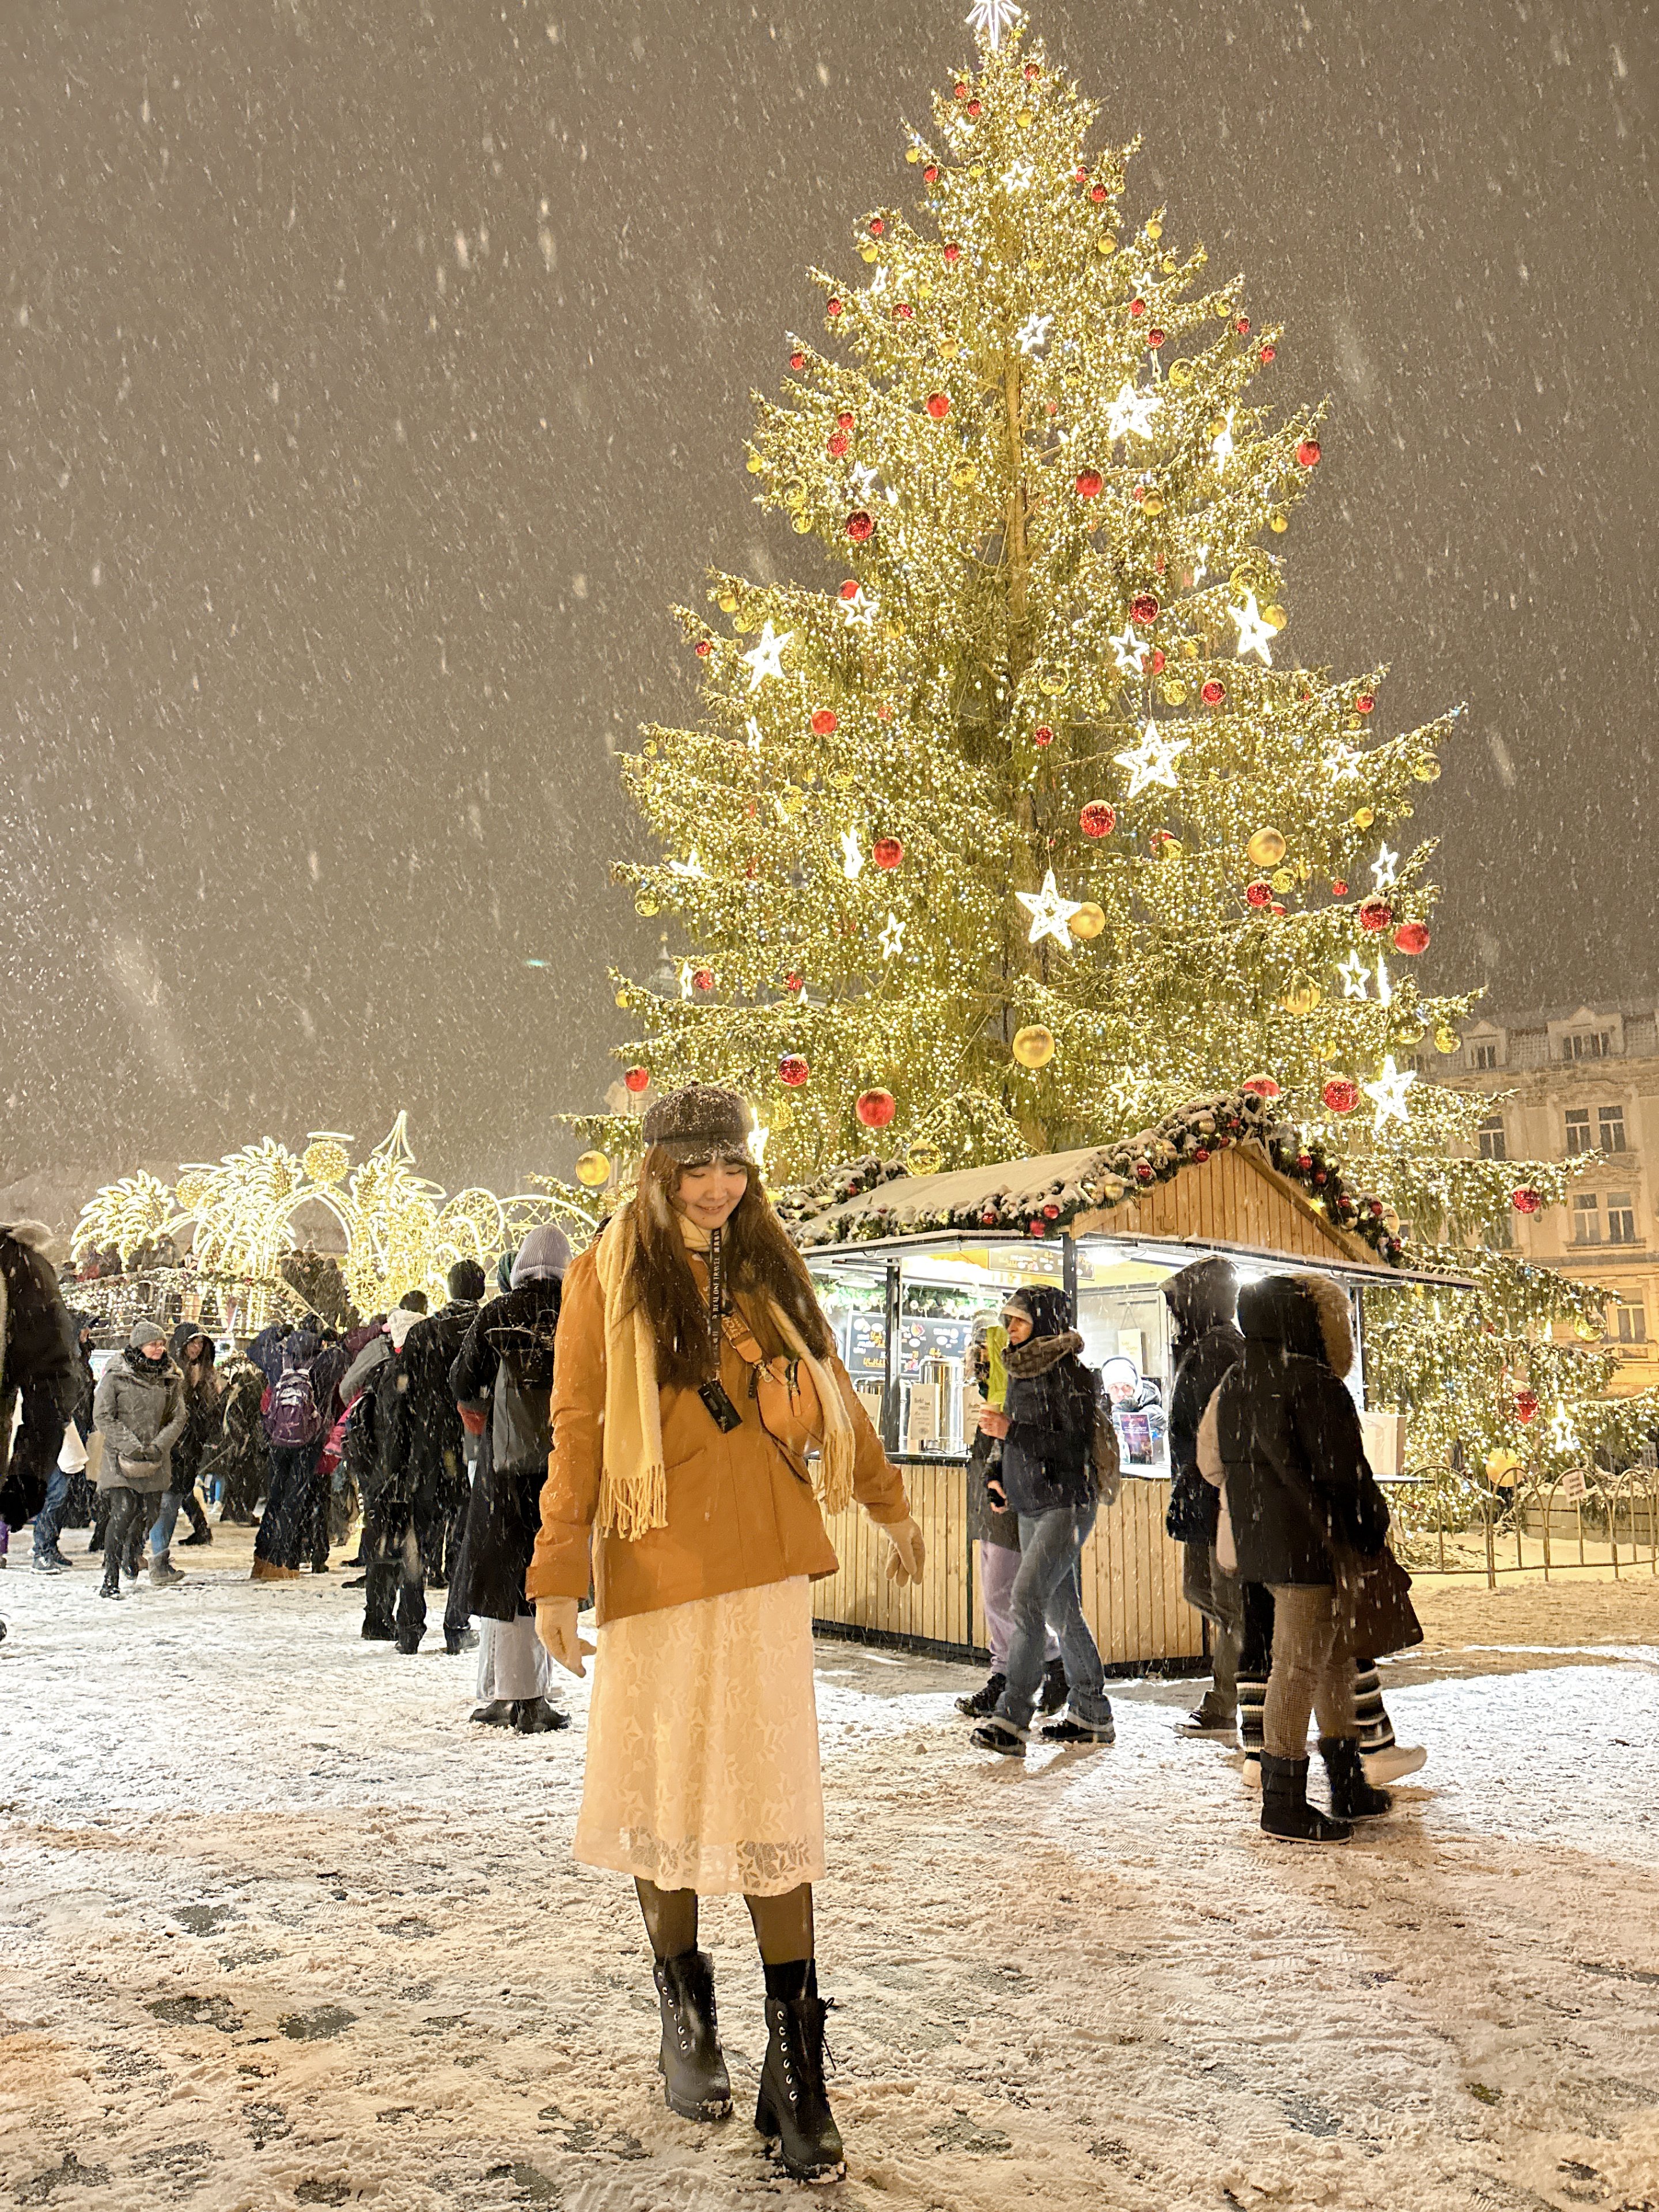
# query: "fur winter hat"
{"type": "Point", "coordinates": [700, 1124]}
{"type": "Point", "coordinates": [1335, 1320]}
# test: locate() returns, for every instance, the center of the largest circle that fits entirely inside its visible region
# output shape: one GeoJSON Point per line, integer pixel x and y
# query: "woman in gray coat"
{"type": "Point", "coordinates": [139, 1409]}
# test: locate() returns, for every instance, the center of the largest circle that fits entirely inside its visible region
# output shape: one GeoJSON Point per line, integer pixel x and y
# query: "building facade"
{"type": "Point", "coordinates": [1584, 1081]}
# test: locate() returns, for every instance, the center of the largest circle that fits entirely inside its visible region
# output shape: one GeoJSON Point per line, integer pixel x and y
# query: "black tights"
{"type": "Point", "coordinates": [783, 1925]}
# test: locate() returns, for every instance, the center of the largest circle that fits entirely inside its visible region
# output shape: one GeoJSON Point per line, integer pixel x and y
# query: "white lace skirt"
{"type": "Point", "coordinates": [702, 1745]}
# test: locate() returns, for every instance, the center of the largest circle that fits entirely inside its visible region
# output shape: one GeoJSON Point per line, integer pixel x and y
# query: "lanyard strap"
{"type": "Point", "coordinates": [716, 1300]}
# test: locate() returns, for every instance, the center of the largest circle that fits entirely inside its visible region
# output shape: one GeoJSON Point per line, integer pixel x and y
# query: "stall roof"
{"type": "Point", "coordinates": [1220, 1174]}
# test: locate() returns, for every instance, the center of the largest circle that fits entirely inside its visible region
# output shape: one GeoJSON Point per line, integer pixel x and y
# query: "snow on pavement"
{"type": "Point", "coordinates": [279, 1928]}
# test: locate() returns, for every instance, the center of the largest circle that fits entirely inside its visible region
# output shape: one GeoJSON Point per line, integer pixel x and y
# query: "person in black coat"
{"type": "Point", "coordinates": [37, 1366]}
{"type": "Point", "coordinates": [501, 1383]}
{"type": "Point", "coordinates": [1282, 1436]}
{"type": "Point", "coordinates": [67, 1503]}
{"type": "Point", "coordinates": [1202, 1301]}
{"type": "Point", "coordinates": [1048, 1431]}
{"type": "Point", "coordinates": [437, 1440]}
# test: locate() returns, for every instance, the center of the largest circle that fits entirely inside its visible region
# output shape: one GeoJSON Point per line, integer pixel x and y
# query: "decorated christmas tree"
{"type": "Point", "coordinates": [1020, 823]}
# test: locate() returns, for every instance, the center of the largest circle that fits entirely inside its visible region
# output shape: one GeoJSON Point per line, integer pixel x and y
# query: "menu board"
{"type": "Point", "coordinates": [918, 1340]}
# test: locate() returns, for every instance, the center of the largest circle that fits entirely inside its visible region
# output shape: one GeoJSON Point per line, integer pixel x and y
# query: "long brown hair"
{"type": "Point", "coordinates": [759, 1259]}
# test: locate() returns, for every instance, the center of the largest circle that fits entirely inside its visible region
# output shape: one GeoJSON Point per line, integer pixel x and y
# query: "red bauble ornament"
{"type": "Point", "coordinates": [794, 980]}
{"type": "Point", "coordinates": [1338, 889]}
{"type": "Point", "coordinates": [860, 527]}
{"type": "Point", "coordinates": [702, 649]}
{"type": "Point", "coordinates": [792, 1070]}
{"type": "Point", "coordinates": [960, 91]}
{"type": "Point", "coordinates": [1411, 937]}
{"type": "Point", "coordinates": [1526, 1199]}
{"type": "Point", "coordinates": [1304, 1161]}
{"type": "Point", "coordinates": [1363, 703]}
{"type": "Point", "coordinates": [1261, 1086]}
{"type": "Point", "coordinates": [1157, 661]}
{"type": "Point", "coordinates": [903, 310]}
{"type": "Point", "coordinates": [1090, 483]}
{"type": "Point", "coordinates": [844, 420]}
{"type": "Point", "coordinates": [1258, 894]}
{"type": "Point", "coordinates": [637, 1079]}
{"type": "Point", "coordinates": [987, 1220]}
{"type": "Point", "coordinates": [1042, 735]}
{"type": "Point", "coordinates": [1375, 913]}
{"type": "Point", "coordinates": [876, 226]}
{"type": "Point", "coordinates": [1037, 1228]}
{"type": "Point", "coordinates": [974, 107]}
{"type": "Point", "coordinates": [1308, 452]}
{"type": "Point", "coordinates": [798, 360]}
{"type": "Point", "coordinates": [1243, 327]}
{"type": "Point", "coordinates": [702, 979]}
{"type": "Point", "coordinates": [1032, 72]}
{"type": "Point", "coordinates": [1155, 339]}
{"type": "Point", "coordinates": [939, 405]}
{"type": "Point", "coordinates": [952, 254]}
{"type": "Point", "coordinates": [825, 722]}
{"type": "Point", "coordinates": [832, 307]}
{"type": "Point", "coordinates": [836, 444]}
{"type": "Point", "coordinates": [1138, 493]}
{"type": "Point", "coordinates": [1214, 692]}
{"type": "Point", "coordinates": [887, 852]}
{"type": "Point", "coordinates": [1143, 1171]}
{"type": "Point", "coordinates": [850, 590]}
{"type": "Point", "coordinates": [1143, 608]}
{"type": "Point", "coordinates": [1098, 193]}
{"type": "Point", "coordinates": [875, 1109]}
{"type": "Point", "coordinates": [1269, 353]}
{"type": "Point", "coordinates": [1137, 309]}
{"type": "Point", "coordinates": [1200, 1153]}
{"type": "Point", "coordinates": [1526, 1404]}
{"type": "Point", "coordinates": [1097, 819]}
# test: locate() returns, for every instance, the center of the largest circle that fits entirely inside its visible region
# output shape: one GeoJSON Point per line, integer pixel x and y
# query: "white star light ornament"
{"type": "Point", "coordinates": [1388, 1093]}
{"type": "Point", "coordinates": [1356, 977]}
{"type": "Point", "coordinates": [992, 18]}
{"type": "Point", "coordinates": [852, 860]}
{"type": "Point", "coordinates": [1385, 868]}
{"type": "Point", "coordinates": [1131, 413]}
{"type": "Point", "coordinates": [863, 479]}
{"type": "Point", "coordinates": [1222, 445]}
{"type": "Point", "coordinates": [691, 866]}
{"type": "Point", "coordinates": [765, 656]}
{"type": "Point", "coordinates": [1342, 762]}
{"type": "Point", "coordinates": [755, 740]}
{"type": "Point", "coordinates": [1129, 651]}
{"type": "Point", "coordinates": [892, 937]}
{"type": "Point", "coordinates": [1049, 913]}
{"type": "Point", "coordinates": [1153, 760]}
{"type": "Point", "coordinates": [1255, 635]}
{"type": "Point", "coordinates": [860, 611]}
{"type": "Point", "coordinates": [1033, 333]}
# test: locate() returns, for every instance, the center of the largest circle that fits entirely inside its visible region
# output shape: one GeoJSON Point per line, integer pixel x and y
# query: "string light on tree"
{"type": "Point", "coordinates": [1050, 913]}
{"type": "Point", "coordinates": [1153, 760]}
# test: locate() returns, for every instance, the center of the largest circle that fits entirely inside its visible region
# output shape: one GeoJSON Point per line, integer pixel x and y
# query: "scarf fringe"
{"type": "Point", "coordinates": [630, 1509]}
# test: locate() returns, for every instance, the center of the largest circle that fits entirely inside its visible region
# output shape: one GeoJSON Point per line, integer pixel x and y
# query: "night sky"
{"type": "Point", "coordinates": [375, 378]}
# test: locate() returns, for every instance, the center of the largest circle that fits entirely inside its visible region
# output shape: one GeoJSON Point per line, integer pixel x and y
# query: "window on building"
{"type": "Point", "coordinates": [1586, 1044]}
{"type": "Point", "coordinates": [1630, 1322]}
{"type": "Point", "coordinates": [1484, 1055]}
{"type": "Point", "coordinates": [1586, 1217]}
{"type": "Point", "coordinates": [1579, 1138]}
{"type": "Point", "coordinates": [1493, 1144]}
{"type": "Point", "coordinates": [1610, 1134]}
{"type": "Point", "coordinates": [1621, 1218]}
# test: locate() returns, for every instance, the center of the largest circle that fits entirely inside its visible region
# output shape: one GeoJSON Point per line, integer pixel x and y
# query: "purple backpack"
{"type": "Point", "coordinates": [292, 1417]}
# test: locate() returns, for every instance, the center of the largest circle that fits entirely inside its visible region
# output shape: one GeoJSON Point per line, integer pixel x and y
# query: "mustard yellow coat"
{"type": "Point", "coordinates": [738, 1515]}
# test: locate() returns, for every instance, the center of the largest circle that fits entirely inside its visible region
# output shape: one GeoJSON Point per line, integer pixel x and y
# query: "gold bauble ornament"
{"type": "Point", "coordinates": [948, 349]}
{"type": "Point", "coordinates": [728, 602]}
{"type": "Point", "coordinates": [1168, 265]}
{"type": "Point", "coordinates": [742, 623]}
{"type": "Point", "coordinates": [1173, 694]}
{"type": "Point", "coordinates": [1052, 682]}
{"type": "Point", "coordinates": [622, 998]}
{"type": "Point", "coordinates": [1274, 617]}
{"type": "Point", "coordinates": [1218, 424]}
{"type": "Point", "coordinates": [754, 465]}
{"type": "Point", "coordinates": [913, 154]}
{"type": "Point", "coordinates": [1363, 816]}
{"type": "Point", "coordinates": [1283, 880]}
{"type": "Point", "coordinates": [592, 1170]}
{"type": "Point", "coordinates": [1446, 1040]}
{"type": "Point", "coordinates": [1427, 771]}
{"type": "Point", "coordinates": [868, 252]}
{"type": "Point", "coordinates": [1025, 118]}
{"type": "Point", "coordinates": [1266, 847]}
{"type": "Point", "coordinates": [794, 495]}
{"type": "Point", "coordinates": [965, 478]}
{"type": "Point", "coordinates": [1152, 504]}
{"type": "Point", "coordinates": [645, 903]}
{"type": "Point", "coordinates": [1034, 1046]}
{"type": "Point", "coordinates": [1278, 521]}
{"type": "Point", "coordinates": [1303, 996]}
{"type": "Point", "coordinates": [1155, 230]}
{"type": "Point", "coordinates": [1107, 244]}
{"type": "Point", "coordinates": [1089, 919]}
{"type": "Point", "coordinates": [1180, 374]}
{"type": "Point", "coordinates": [801, 524]}
{"type": "Point", "coordinates": [1189, 648]}
{"type": "Point", "coordinates": [924, 1158]}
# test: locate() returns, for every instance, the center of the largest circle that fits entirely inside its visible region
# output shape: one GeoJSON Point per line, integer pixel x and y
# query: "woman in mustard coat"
{"type": "Point", "coordinates": [693, 1371]}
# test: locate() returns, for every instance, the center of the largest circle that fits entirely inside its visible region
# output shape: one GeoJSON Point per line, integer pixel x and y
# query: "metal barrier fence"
{"type": "Point", "coordinates": [1586, 1520]}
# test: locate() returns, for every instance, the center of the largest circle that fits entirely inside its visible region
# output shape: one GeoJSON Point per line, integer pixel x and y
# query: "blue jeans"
{"type": "Point", "coordinates": [1048, 1594]}
{"type": "Point", "coordinates": [49, 1520]}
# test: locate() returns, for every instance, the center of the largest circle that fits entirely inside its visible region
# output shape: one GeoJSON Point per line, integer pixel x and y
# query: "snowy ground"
{"type": "Point", "coordinates": [276, 1927]}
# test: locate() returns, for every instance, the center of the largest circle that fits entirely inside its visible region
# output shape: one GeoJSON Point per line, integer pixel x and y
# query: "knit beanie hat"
{"type": "Point", "coordinates": [700, 1124]}
{"type": "Point", "coordinates": [146, 1332]}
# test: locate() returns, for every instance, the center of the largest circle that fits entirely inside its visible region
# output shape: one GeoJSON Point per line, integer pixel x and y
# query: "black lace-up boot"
{"type": "Point", "coordinates": [695, 2080]}
{"type": "Point", "coordinates": [793, 2111]}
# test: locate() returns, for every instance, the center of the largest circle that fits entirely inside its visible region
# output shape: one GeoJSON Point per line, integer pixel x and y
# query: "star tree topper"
{"type": "Point", "coordinates": [1049, 913]}
{"type": "Point", "coordinates": [991, 19]}
{"type": "Point", "coordinates": [1153, 760]}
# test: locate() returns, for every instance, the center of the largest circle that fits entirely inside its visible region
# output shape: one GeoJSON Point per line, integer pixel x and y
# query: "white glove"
{"type": "Point", "coordinates": [904, 1560]}
{"type": "Point", "coordinates": [556, 1631]}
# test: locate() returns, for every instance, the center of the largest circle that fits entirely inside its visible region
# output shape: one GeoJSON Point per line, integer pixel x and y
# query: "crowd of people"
{"type": "Point", "coordinates": [660, 1427]}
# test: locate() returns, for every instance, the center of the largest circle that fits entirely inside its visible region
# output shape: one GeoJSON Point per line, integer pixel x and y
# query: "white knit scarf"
{"type": "Point", "coordinates": [634, 1483]}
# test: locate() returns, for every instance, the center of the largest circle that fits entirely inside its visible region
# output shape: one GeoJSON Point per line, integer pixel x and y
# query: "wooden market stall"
{"type": "Point", "coordinates": [903, 1262]}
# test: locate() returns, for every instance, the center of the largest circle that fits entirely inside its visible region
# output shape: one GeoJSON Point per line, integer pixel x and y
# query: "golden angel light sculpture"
{"type": "Point", "coordinates": [402, 1232]}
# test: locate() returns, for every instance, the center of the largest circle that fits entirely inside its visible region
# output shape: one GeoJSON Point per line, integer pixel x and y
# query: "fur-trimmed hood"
{"type": "Point", "coordinates": [34, 1235]}
{"type": "Point", "coordinates": [1335, 1321]}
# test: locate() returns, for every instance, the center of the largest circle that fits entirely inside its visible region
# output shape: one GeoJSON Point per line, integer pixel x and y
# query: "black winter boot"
{"type": "Point", "coordinates": [1054, 1693]}
{"type": "Point", "coordinates": [696, 2083]}
{"type": "Point", "coordinates": [1352, 1797]}
{"type": "Point", "coordinates": [1287, 1816]}
{"type": "Point", "coordinates": [983, 1701]}
{"type": "Point", "coordinates": [535, 1717]}
{"type": "Point", "coordinates": [793, 2110]}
